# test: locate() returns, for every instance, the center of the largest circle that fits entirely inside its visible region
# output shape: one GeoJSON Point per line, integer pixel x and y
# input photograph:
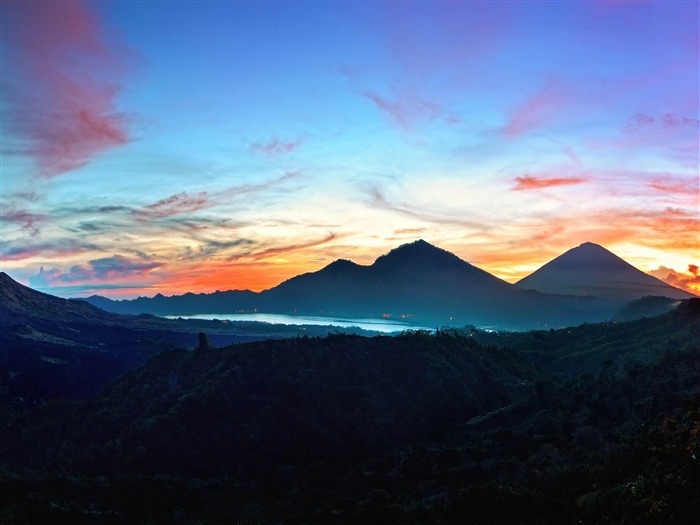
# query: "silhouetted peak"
{"type": "Point", "coordinates": [339, 267]}
{"type": "Point", "coordinates": [11, 288]}
{"type": "Point", "coordinates": [6, 280]}
{"type": "Point", "coordinates": [590, 269]}
{"type": "Point", "coordinates": [420, 254]}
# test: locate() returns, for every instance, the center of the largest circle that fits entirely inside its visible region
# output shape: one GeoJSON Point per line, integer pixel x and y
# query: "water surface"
{"type": "Point", "coordinates": [378, 325]}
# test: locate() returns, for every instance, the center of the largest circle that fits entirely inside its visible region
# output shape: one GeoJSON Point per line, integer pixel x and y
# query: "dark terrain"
{"type": "Point", "coordinates": [418, 428]}
{"type": "Point", "coordinates": [59, 348]}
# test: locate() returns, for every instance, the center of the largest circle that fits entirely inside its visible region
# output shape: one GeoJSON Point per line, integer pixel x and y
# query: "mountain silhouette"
{"type": "Point", "coordinates": [590, 269]}
{"type": "Point", "coordinates": [52, 347]}
{"type": "Point", "coordinates": [416, 282]}
{"type": "Point", "coordinates": [17, 301]}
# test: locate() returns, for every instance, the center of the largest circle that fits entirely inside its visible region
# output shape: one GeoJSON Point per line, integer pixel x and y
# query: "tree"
{"type": "Point", "coordinates": [203, 342]}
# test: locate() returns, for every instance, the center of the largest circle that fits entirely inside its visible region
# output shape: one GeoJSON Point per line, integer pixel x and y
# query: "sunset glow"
{"type": "Point", "coordinates": [172, 147]}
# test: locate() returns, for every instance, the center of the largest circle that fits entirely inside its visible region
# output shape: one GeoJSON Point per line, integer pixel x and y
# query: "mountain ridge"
{"type": "Point", "coordinates": [415, 281]}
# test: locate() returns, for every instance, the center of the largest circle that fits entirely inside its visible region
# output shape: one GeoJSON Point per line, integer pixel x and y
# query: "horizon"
{"type": "Point", "coordinates": [174, 147]}
{"type": "Point", "coordinates": [79, 292]}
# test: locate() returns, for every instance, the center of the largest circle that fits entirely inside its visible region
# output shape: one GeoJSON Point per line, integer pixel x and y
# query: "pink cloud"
{"type": "Point", "coordinates": [527, 182]}
{"type": "Point", "coordinates": [275, 147]}
{"type": "Point", "coordinates": [669, 184]}
{"type": "Point", "coordinates": [62, 85]}
{"type": "Point", "coordinates": [538, 111]}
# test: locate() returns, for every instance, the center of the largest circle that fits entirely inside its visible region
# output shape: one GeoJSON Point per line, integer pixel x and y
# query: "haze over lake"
{"type": "Point", "coordinates": [378, 325]}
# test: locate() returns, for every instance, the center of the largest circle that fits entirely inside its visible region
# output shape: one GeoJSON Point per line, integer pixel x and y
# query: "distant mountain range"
{"type": "Point", "coordinates": [421, 283]}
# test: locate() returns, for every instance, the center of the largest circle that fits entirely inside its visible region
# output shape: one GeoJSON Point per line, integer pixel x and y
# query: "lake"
{"type": "Point", "coordinates": [378, 325]}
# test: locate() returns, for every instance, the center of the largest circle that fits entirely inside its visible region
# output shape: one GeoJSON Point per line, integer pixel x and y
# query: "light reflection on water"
{"type": "Point", "coordinates": [378, 325]}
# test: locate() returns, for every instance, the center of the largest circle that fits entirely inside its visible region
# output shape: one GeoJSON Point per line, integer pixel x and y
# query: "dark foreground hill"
{"type": "Point", "coordinates": [52, 347]}
{"type": "Point", "coordinates": [591, 348]}
{"type": "Point", "coordinates": [414, 429]}
{"type": "Point", "coordinates": [417, 282]}
{"type": "Point", "coordinates": [267, 419]}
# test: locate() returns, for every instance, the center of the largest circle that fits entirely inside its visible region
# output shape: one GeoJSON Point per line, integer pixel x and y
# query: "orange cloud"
{"type": "Point", "coordinates": [527, 182]}
{"type": "Point", "coordinates": [688, 281]}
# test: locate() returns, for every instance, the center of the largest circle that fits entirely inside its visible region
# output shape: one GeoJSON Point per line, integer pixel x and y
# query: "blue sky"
{"type": "Point", "coordinates": [174, 146]}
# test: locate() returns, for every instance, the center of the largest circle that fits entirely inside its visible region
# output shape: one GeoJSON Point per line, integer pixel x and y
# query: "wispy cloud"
{"type": "Point", "coordinates": [18, 251]}
{"type": "Point", "coordinates": [279, 250]}
{"type": "Point", "coordinates": [107, 270]}
{"type": "Point", "coordinates": [28, 221]}
{"type": "Point", "coordinates": [275, 147]}
{"type": "Point", "coordinates": [681, 185]}
{"type": "Point", "coordinates": [405, 112]}
{"type": "Point", "coordinates": [379, 200]}
{"type": "Point", "coordinates": [640, 121]}
{"type": "Point", "coordinates": [176, 204]}
{"type": "Point", "coordinates": [527, 182]}
{"type": "Point", "coordinates": [63, 85]}
{"type": "Point", "coordinates": [186, 202]}
{"type": "Point", "coordinates": [541, 109]}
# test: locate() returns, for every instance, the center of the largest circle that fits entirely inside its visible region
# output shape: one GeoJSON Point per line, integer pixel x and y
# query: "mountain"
{"type": "Point", "coordinates": [590, 269]}
{"type": "Point", "coordinates": [52, 347]}
{"type": "Point", "coordinates": [17, 301]}
{"type": "Point", "coordinates": [417, 282]}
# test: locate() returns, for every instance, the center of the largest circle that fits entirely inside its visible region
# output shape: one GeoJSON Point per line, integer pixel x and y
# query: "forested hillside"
{"type": "Point", "coordinates": [418, 428]}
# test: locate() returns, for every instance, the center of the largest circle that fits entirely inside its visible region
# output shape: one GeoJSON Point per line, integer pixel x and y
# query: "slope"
{"type": "Point", "coordinates": [52, 347]}
{"type": "Point", "coordinates": [590, 348]}
{"type": "Point", "coordinates": [590, 269]}
{"type": "Point", "coordinates": [270, 419]}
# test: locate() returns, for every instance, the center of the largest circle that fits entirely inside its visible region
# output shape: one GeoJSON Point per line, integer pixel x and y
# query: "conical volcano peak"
{"type": "Point", "coordinates": [589, 255]}
{"type": "Point", "coordinates": [590, 269]}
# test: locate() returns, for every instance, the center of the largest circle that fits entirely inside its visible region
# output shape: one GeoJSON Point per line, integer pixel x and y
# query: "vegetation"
{"type": "Point", "coordinates": [417, 428]}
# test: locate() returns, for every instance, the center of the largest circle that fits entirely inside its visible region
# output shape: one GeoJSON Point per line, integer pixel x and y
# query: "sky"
{"type": "Point", "coordinates": [172, 146]}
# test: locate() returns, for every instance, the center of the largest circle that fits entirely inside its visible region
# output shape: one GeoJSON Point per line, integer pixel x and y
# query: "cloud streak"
{"type": "Point", "coordinates": [279, 250]}
{"type": "Point", "coordinates": [62, 77]}
{"type": "Point", "coordinates": [176, 204]}
{"type": "Point", "coordinates": [405, 112]}
{"type": "Point", "coordinates": [527, 182]}
{"type": "Point", "coordinates": [28, 221]}
{"type": "Point", "coordinates": [108, 270]}
{"type": "Point", "coordinates": [540, 110]}
{"type": "Point", "coordinates": [275, 147]}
